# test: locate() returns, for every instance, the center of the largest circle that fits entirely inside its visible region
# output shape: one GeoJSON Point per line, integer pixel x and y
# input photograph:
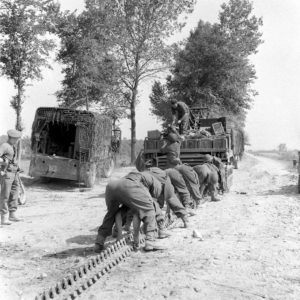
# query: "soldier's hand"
{"type": "Point", "coordinates": [179, 122]}
{"type": "Point", "coordinates": [2, 173]}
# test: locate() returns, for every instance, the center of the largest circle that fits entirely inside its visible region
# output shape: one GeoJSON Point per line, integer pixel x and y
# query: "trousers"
{"type": "Point", "coordinates": [180, 186]}
{"type": "Point", "coordinates": [134, 195]}
{"type": "Point", "coordinates": [191, 179]}
{"type": "Point", "coordinates": [9, 192]}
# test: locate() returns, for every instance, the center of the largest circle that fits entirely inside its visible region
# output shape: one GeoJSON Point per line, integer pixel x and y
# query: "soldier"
{"type": "Point", "coordinates": [180, 187]}
{"type": "Point", "coordinates": [171, 148]}
{"type": "Point", "coordinates": [191, 180]}
{"type": "Point", "coordinates": [168, 194]}
{"type": "Point", "coordinates": [9, 178]}
{"type": "Point", "coordinates": [216, 163]}
{"type": "Point", "coordinates": [183, 115]}
{"type": "Point", "coordinates": [136, 191]}
{"type": "Point", "coordinates": [221, 172]}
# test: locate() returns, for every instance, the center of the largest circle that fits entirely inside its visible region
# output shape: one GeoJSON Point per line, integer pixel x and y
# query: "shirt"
{"type": "Point", "coordinates": [8, 151]}
{"type": "Point", "coordinates": [181, 110]}
{"type": "Point", "coordinates": [149, 181]}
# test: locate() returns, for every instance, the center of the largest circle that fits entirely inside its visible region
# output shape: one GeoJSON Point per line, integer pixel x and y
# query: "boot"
{"type": "Point", "coordinates": [190, 211]}
{"type": "Point", "coordinates": [185, 221]}
{"type": "Point", "coordinates": [162, 232]}
{"type": "Point", "coordinates": [99, 244]}
{"type": "Point", "coordinates": [4, 220]}
{"type": "Point", "coordinates": [153, 246]}
{"type": "Point", "coordinates": [13, 217]}
{"type": "Point", "coordinates": [214, 198]}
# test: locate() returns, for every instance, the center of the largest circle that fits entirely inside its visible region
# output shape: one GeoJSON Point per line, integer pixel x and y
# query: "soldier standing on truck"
{"type": "Point", "coordinates": [183, 115]}
{"type": "Point", "coordinates": [9, 178]}
{"type": "Point", "coordinates": [171, 148]}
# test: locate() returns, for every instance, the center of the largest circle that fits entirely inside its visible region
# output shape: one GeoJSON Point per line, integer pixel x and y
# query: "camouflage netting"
{"type": "Point", "coordinates": [94, 135]}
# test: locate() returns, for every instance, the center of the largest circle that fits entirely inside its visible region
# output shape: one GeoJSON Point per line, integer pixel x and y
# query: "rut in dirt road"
{"type": "Point", "coordinates": [250, 247]}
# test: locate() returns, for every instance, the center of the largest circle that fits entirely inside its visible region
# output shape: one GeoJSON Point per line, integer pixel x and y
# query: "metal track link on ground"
{"type": "Point", "coordinates": [72, 286]}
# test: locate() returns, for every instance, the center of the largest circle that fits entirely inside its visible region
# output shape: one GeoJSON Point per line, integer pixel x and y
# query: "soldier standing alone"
{"type": "Point", "coordinates": [9, 178]}
{"type": "Point", "coordinates": [183, 115]}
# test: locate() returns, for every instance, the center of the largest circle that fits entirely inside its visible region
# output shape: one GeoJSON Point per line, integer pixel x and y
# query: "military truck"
{"type": "Point", "coordinates": [214, 136]}
{"type": "Point", "coordinates": [72, 144]}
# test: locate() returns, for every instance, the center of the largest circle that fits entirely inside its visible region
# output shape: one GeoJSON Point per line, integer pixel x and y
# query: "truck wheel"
{"type": "Point", "coordinates": [90, 178]}
{"type": "Point", "coordinates": [108, 168]}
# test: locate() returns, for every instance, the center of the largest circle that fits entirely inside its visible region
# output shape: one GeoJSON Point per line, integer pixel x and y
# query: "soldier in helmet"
{"type": "Point", "coordinates": [171, 147]}
{"type": "Point", "coordinates": [183, 115]}
{"type": "Point", "coordinates": [137, 191]}
{"type": "Point", "coordinates": [9, 178]}
{"type": "Point", "coordinates": [216, 164]}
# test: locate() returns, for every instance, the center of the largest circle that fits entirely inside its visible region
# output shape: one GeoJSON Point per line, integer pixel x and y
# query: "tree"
{"type": "Point", "coordinates": [144, 26]}
{"type": "Point", "coordinates": [240, 26]}
{"type": "Point", "coordinates": [91, 70]}
{"type": "Point", "coordinates": [159, 99]}
{"type": "Point", "coordinates": [213, 69]}
{"type": "Point", "coordinates": [25, 45]}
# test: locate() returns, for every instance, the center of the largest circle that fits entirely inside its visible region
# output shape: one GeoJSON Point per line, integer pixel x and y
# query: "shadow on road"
{"type": "Point", "coordinates": [82, 239]}
{"type": "Point", "coordinates": [286, 190]}
{"type": "Point", "coordinates": [80, 251]}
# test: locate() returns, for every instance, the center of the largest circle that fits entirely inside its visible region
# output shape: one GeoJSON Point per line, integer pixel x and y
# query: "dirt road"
{"type": "Point", "coordinates": [250, 247]}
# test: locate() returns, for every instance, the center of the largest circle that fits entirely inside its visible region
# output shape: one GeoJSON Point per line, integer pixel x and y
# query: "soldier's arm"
{"type": "Point", "coordinates": [173, 115]}
{"type": "Point", "coordinates": [3, 151]}
{"type": "Point", "coordinates": [163, 147]}
{"type": "Point", "coordinates": [185, 112]}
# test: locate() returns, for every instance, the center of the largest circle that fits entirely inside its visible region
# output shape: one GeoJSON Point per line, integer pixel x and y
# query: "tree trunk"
{"type": "Point", "coordinates": [19, 127]}
{"type": "Point", "coordinates": [133, 124]}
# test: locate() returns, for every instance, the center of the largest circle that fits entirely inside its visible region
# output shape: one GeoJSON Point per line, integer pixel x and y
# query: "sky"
{"type": "Point", "coordinates": [275, 114]}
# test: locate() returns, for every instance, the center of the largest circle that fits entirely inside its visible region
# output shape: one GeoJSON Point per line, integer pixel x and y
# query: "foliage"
{"type": "Point", "coordinates": [112, 47]}
{"type": "Point", "coordinates": [91, 69]}
{"type": "Point", "coordinates": [159, 99]}
{"type": "Point", "coordinates": [213, 70]}
{"type": "Point", "coordinates": [144, 26]}
{"type": "Point", "coordinates": [25, 45]}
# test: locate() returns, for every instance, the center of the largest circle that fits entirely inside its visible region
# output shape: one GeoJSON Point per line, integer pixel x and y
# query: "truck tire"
{"type": "Point", "coordinates": [108, 168]}
{"type": "Point", "coordinates": [90, 178]}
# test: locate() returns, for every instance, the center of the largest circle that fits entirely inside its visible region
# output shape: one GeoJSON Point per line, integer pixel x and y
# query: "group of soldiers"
{"type": "Point", "coordinates": [142, 194]}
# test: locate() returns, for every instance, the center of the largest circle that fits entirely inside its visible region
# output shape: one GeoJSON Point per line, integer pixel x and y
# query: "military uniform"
{"type": "Point", "coordinates": [136, 191]}
{"type": "Point", "coordinates": [9, 180]}
{"type": "Point", "coordinates": [183, 115]}
{"type": "Point", "coordinates": [180, 186]}
{"type": "Point", "coordinates": [168, 193]}
{"type": "Point", "coordinates": [221, 172]}
{"type": "Point", "coordinates": [191, 180]}
{"type": "Point", "coordinates": [172, 150]}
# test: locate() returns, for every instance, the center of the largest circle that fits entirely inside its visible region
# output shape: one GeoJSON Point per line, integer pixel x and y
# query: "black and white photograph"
{"type": "Point", "coordinates": [149, 149]}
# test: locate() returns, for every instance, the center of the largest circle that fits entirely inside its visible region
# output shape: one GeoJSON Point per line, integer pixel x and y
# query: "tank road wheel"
{"type": "Point", "coordinates": [89, 178]}
{"type": "Point", "coordinates": [108, 167]}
